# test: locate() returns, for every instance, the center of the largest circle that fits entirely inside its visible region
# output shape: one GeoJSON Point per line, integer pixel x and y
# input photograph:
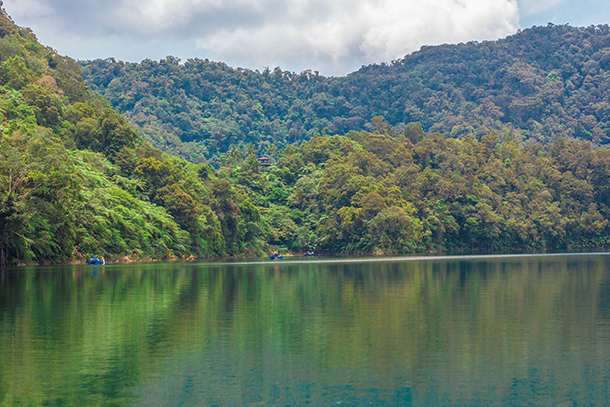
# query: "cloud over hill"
{"type": "Point", "coordinates": [332, 37]}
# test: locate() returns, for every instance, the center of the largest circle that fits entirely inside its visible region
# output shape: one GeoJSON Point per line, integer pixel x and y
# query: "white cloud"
{"type": "Point", "coordinates": [332, 36]}
{"type": "Point", "coordinates": [353, 33]}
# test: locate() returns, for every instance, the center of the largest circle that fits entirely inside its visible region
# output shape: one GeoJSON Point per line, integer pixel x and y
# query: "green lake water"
{"type": "Point", "coordinates": [438, 331]}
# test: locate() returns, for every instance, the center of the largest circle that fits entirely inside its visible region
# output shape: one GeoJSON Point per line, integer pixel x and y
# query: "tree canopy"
{"type": "Point", "coordinates": [540, 83]}
{"type": "Point", "coordinates": [76, 178]}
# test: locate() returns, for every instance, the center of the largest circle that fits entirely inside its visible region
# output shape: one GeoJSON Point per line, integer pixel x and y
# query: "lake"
{"type": "Point", "coordinates": [421, 331]}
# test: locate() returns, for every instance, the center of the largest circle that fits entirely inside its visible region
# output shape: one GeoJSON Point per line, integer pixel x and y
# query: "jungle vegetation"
{"type": "Point", "coordinates": [77, 179]}
{"type": "Point", "coordinates": [539, 83]}
{"type": "Point", "coordinates": [388, 192]}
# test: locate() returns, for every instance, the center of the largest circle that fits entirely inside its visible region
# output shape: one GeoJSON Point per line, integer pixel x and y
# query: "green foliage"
{"type": "Point", "coordinates": [14, 73]}
{"type": "Point", "coordinates": [389, 192]}
{"type": "Point", "coordinates": [539, 83]}
{"type": "Point", "coordinates": [76, 179]}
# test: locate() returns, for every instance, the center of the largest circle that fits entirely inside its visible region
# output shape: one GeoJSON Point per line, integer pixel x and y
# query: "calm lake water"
{"type": "Point", "coordinates": [486, 330]}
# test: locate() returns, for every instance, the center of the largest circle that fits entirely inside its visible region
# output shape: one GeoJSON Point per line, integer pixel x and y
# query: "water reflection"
{"type": "Point", "coordinates": [486, 330]}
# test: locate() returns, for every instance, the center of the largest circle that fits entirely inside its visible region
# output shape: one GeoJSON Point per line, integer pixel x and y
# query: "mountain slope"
{"type": "Point", "coordinates": [76, 179]}
{"type": "Point", "coordinates": [539, 83]}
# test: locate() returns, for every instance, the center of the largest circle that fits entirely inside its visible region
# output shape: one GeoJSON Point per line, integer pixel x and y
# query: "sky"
{"type": "Point", "coordinates": [334, 37]}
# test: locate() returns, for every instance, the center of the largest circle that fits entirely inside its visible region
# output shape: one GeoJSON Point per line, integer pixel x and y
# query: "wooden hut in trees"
{"type": "Point", "coordinates": [265, 161]}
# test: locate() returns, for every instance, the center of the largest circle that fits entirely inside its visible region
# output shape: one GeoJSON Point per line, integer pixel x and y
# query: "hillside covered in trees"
{"type": "Point", "coordinates": [388, 192]}
{"type": "Point", "coordinates": [76, 179]}
{"type": "Point", "coordinates": [540, 83]}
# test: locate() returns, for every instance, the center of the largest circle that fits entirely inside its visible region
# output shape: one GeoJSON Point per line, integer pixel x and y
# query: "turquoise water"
{"type": "Point", "coordinates": [468, 330]}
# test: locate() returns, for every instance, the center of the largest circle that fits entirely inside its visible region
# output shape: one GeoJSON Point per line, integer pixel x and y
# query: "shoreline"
{"type": "Point", "coordinates": [421, 254]}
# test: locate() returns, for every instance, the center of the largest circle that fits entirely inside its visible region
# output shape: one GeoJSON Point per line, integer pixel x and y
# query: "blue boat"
{"type": "Point", "coordinates": [96, 261]}
{"type": "Point", "coordinates": [275, 256]}
{"type": "Point", "coordinates": [309, 254]}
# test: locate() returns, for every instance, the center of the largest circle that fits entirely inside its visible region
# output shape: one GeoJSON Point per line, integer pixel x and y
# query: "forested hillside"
{"type": "Point", "coordinates": [383, 192]}
{"type": "Point", "coordinates": [539, 83]}
{"type": "Point", "coordinates": [76, 179]}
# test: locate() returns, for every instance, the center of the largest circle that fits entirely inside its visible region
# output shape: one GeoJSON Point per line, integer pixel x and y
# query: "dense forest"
{"type": "Point", "coordinates": [77, 179]}
{"type": "Point", "coordinates": [388, 192]}
{"type": "Point", "coordinates": [540, 83]}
